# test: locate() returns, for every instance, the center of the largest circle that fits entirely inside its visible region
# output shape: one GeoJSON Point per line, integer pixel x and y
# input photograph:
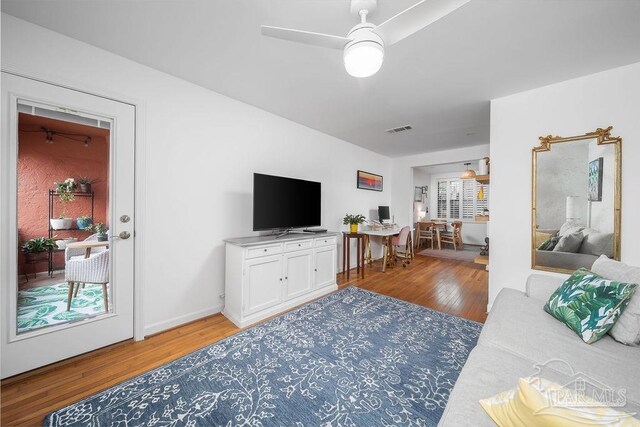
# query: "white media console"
{"type": "Point", "coordinates": [265, 276]}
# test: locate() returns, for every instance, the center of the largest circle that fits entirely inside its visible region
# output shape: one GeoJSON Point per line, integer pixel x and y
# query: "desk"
{"type": "Point", "coordinates": [346, 252]}
{"type": "Point", "coordinates": [386, 235]}
{"type": "Point", "coordinates": [87, 245]}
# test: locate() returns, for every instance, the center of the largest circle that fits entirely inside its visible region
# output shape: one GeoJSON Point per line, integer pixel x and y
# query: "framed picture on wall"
{"type": "Point", "coordinates": [595, 180]}
{"type": "Point", "coordinates": [417, 194]}
{"type": "Point", "coordinates": [369, 181]}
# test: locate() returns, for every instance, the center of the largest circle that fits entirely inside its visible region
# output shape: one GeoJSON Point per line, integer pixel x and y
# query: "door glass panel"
{"type": "Point", "coordinates": [63, 219]}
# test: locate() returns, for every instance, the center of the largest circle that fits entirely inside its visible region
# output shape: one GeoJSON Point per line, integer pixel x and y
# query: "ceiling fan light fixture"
{"type": "Point", "coordinates": [363, 59]}
{"type": "Point", "coordinates": [364, 54]}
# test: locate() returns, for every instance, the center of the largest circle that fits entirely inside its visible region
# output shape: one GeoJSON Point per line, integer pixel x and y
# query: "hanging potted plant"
{"type": "Point", "coordinates": [353, 221]}
{"type": "Point", "coordinates": [100, 229]}
{"type": "Point", "coordinates": [38, 249]}
{"type": "Point", "coordinates": [64, 190]}
{"type": "Point", "coordinates": [83, 222]}
{"type": "Point", "coordinates": [85, 184]}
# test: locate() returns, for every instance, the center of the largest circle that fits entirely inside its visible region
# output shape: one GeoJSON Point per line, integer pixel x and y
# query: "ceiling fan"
{"type": "Point", "coordinates": [364, 44]}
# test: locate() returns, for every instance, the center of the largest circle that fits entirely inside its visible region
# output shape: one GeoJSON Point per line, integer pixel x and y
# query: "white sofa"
{"type": "Point", "coordinates": [520, 339]}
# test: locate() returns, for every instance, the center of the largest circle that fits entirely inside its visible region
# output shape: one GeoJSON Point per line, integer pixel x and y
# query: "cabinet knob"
{"type": "Point", "coordinates": [265, 250]}
{"type": "Point", "coordinates": [281, 279]}
{"type": "Point", "coordinates": [286, 278]}
{"type": "Point", "coordinates": [315, 269]}
{"type": "Point", "coordinates": [298, 244]}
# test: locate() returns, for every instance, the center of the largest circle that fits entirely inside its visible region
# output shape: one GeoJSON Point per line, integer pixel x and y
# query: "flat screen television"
{"type": "Point", "coordinates": [283, 203]}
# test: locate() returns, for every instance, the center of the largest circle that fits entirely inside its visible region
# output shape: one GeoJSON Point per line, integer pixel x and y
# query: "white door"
{"type": "Point", "coordinates": [263, 283]}
{"type": "Point", "coordinates": [70, 331]}
{"type": "Point", "coordinates": [325, 267]}
{"type": "Point", "coordinates": [297, 273]}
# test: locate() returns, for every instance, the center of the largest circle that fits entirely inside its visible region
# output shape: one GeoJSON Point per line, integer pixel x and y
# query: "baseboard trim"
{"type": "Point", "coordinates": [154, 328]}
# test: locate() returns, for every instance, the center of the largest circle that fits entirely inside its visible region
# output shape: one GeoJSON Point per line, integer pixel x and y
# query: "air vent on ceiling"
{"type": "Point", "coordinates": [399, 129]}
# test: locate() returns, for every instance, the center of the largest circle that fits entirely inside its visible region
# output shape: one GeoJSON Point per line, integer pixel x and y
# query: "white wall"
{"type": "Point", "coordinates": [201, 151]}
{"type": "Point", "coordinates": [568, 108]}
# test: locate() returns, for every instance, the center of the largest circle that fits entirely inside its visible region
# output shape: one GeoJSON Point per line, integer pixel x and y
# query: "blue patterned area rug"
{"type": "Point", "coordinates": [353, 358]}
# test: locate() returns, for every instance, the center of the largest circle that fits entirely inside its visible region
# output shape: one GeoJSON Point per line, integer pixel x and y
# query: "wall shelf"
{"type": "Point", "coordinates": [482, 179]}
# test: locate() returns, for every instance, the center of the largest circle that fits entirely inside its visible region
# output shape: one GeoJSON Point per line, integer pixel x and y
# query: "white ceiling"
{"type": "Point", "coordinates": [439, 80]}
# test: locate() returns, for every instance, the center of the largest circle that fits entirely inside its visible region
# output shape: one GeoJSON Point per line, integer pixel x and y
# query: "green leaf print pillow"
{"type": "Point", "coordinates": [589, 304]}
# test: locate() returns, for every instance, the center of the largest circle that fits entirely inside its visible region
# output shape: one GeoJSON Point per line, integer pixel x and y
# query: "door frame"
{"type": "Point", "coordinates": [139, 182]}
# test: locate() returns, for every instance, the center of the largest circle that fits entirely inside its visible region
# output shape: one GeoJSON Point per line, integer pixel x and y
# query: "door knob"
{"type": "Point", "coordinates": [125, 218]}
{"type": "Point", "coordinates": [124, 235]}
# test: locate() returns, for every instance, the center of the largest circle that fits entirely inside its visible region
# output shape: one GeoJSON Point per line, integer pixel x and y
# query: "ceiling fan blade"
{"type": "Point", "coordinates": [307, 37]}
{"type": "Point", "coordinates": [415, 18]}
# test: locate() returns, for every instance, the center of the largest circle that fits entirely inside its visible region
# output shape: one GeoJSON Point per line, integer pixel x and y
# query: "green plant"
{"type": "Point", "coordinates": [65, 191]}
{"type": "Point", "coordinates": [39, 244]}
{"type": "Point", "coordinates": [98, 228]}
{"type": "Point", "coordinates": [83, 218]}
{"type": "Point", "coordinates": [84, 180]}
{"type": "Point", "coordinates": [353, 219]}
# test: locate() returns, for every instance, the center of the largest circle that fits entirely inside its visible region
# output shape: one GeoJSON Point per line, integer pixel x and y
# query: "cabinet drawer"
{"type": "Point", "coordinates": [298, 245]}
{"type": "Point", "coordinates": [263, 251]}
{"type": "Point", "coordinates": [325, 241]}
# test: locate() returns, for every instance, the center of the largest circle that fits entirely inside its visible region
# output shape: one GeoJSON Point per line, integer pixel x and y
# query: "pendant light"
{"type": "Point", "coordinates": [468, 173]}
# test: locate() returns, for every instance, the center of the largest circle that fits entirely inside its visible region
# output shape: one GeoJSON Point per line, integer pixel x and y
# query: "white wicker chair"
{"type": "Point", "coordinates": [94, 269]}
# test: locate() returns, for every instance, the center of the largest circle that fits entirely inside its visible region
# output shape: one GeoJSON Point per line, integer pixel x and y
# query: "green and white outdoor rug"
{"type": "Point", "coordinates": [47, 305]}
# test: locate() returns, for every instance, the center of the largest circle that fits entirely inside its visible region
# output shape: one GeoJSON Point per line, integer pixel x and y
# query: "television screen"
{"type": "Point", "coordinates": [280, 202]}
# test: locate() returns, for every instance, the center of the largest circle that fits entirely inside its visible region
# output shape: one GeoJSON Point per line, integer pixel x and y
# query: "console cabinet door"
{"type": "Point", "coordinates": [325, 267]}
{"type": "Point", "coordinates": [298, 269]}
{"type": "Point", "coordinates": [263, 283]}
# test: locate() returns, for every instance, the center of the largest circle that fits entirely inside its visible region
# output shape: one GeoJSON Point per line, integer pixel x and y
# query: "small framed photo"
{"type": "Point", "coordinates": [369, 181]}
{"type": "Point", "coordinates": [595, 180]}
{"type": "Point", "coordinates": [417, 194]}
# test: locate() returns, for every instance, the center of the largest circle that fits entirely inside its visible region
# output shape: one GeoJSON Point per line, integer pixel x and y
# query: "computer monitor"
{"type": "Point", "coordinates": [383, 213]}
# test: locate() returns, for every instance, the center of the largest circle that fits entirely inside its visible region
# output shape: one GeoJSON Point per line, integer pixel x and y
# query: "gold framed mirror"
{"type": "Point", "coordinates": [576, 200]}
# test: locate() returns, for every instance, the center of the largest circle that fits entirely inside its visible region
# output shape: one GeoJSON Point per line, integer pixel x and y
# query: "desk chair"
{"type": "Point", "coordinates": [402, 246]}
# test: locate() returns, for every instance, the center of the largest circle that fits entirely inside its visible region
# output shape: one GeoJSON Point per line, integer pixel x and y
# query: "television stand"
{"type": "Point", "coordinates": [283, 233]}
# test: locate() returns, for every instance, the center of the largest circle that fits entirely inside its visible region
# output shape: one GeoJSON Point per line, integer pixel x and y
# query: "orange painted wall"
{"type": "Point", "coordinates": [40, 164]}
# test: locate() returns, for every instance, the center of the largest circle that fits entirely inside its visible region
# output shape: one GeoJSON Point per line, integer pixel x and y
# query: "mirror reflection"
{"type": "Point", "coordinates": [574, 204]}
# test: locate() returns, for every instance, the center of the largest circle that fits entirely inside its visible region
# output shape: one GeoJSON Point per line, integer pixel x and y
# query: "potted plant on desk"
{"type": "Point", "coordinates": [353, 221]}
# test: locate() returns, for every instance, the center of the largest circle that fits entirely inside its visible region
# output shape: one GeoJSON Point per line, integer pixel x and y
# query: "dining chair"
{"type": "Point", "coordinates": [454, 236]}
{"type": "Point", "coordinates": [94, 269]}
{"type": "Point", "coordinates": [402, 247]}
{"type": "Point", "coordinates": [425, 231]}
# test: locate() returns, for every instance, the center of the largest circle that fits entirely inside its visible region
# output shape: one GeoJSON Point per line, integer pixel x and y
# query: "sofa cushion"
{"type": "Point", "coordinates": [595, 243]}
{"type": "Point", "coordinates": [589, 304]}
{"type": "Point", "coordinates": [488, 371]}
{"type": "Point", "coordinates": [569, 227]}
{"type": "Point", "coordinates": [627, 328]}
{"type": "Point", "coordinates": [569, 242]}
{"type": "Point", "coordinates": [518, 324]}
{"type": "Point", "coordinates": [549, 244]}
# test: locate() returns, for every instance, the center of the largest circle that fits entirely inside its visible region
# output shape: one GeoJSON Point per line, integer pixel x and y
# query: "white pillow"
{"type": "Point", "coordinates": [627, 328]}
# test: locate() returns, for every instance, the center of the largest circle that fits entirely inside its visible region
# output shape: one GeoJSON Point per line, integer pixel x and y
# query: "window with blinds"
{"type": "Point", "coordinates": [458, 198]}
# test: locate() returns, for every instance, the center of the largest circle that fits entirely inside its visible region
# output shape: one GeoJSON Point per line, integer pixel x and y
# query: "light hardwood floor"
{"type": "Point", "coordinates": [454, 287]}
